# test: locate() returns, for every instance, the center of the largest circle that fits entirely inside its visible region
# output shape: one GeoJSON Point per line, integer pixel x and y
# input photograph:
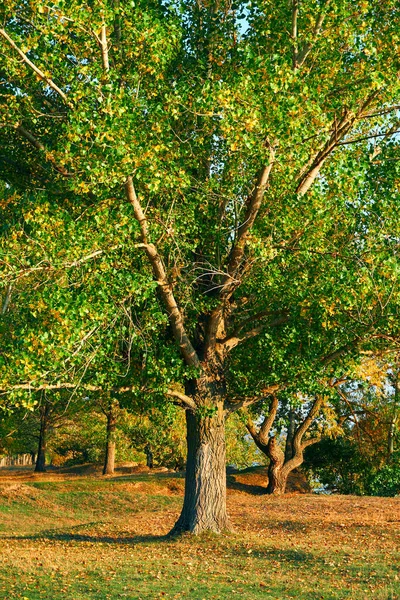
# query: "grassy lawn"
{"type": "Point", "coordinates": [93, 538]}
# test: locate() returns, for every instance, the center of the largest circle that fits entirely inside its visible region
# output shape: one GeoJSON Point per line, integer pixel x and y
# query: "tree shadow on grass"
{"type": "Point", "coordinates": [94, 539]}
{"type": "Point", "coordinates": [254, 490]}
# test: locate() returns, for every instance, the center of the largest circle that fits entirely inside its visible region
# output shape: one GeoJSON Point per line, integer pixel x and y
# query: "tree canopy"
{"type": "Point", "coordinates": [200, 203]}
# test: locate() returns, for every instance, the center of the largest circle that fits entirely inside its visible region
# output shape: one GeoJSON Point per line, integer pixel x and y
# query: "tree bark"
{"type": "Point", "coordinates": [109, 460]}
{"type": "Point", "coordinates": [204, 505]}
{"type": "Point", "coordinates": [283, 463]}
{"type": "Point", "coordinates": [40, 466]}
{"type": "Point", "coordinates": [277, 476]}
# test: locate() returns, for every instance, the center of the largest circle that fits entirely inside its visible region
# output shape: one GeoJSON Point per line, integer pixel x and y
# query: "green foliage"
{"type": "Point", "coordinates": [193, 107]}
{"type": "Point", "coordinates": [386, 480]}
{"type": "Point", "coordinates": [340, 466]}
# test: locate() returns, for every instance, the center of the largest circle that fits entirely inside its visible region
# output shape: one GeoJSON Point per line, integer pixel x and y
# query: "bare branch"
{"type": "Point", "coordinates": [182, 399]}
{"type": "Point", "coordinates": [102, 41]}
{"type": "Point", "coordinates": [38, 72]}
{"type": "Point", "coordinates": [238, 403]}
{"type": "Point", "coordinates": [174, 314]}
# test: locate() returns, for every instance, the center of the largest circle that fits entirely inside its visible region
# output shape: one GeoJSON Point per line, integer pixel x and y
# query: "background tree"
{"type": "Point", "coordinates": [232, 170]}
{"type": "Point", "coordinates": [363, 459]}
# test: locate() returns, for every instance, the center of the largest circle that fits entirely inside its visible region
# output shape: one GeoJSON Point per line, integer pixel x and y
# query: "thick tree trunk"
{"type": "Point", "coordinates": [277, 480]}
{"type": "Point", "coordinates": [40, 466]}
{"type": "Point", "coordinates": [204, 506]}
{"type": "Point", "coordinates": [277, 476]}
{"type": "Point", "coordinates": [109, 460]}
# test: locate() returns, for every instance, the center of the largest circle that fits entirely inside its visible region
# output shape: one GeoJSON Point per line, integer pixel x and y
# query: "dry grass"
{"type": "Point", "coordinates": [83, 537]}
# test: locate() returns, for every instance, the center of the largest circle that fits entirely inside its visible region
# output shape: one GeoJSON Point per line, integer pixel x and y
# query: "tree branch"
{"type": "Point", "coordinates": [295, 13]}
{"type": "Point", "coordinates": [38, 72]}
{"type": "Point", "coordinates": [236, 339]}
{"type": "Point", "coordinates": [261, 435]}
{"type": "Point", "coordinates": [306, 424]}
{"type": "Point", "coordinates": [298, 444]}
{"type": "Point", "coordinates": [230, 282]}
{"type": "Point", "coordinates": [302, 54]}
{"type": "Point", "coordinates": [7, 299]}
{"type": "Point", "coordinates": [339, 130]}
{"type": "Point", "coordinates": [39, 146]}
{"type": "Point", "coordinates": [67, 265]}
{"type": "Point", "coordinates": [182, 400]}
{"type": "Point", "coordinates": [102, 41]}
{"type": "Point", "coordinates": [175, 317]}
{"type": "Point", "coordinates": [238, 403]}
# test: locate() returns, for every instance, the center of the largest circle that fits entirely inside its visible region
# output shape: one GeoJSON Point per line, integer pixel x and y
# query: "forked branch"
{"type": "Point", "coordinates": [261, 435]}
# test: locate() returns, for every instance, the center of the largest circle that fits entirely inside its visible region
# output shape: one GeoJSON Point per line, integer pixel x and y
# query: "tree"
{"type": "Point", "coordinates": [363, 457]}
{"type": "Point", "coordinates": [111, 413]}
{"type": "Point", "coordinates": [241, 137]}
{"type": "Point", "coordinates": [282, 463]}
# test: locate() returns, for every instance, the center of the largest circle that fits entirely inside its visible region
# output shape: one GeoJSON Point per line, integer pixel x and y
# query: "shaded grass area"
{"type": "Point", "coordinates": [106, 538]}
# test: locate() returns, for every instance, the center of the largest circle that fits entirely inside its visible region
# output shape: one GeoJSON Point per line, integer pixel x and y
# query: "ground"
{"type": "Point", "coordinates": [80, 536]}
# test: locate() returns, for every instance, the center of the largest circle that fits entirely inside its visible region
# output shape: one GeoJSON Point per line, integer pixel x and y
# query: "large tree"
{"type": "Point", "coordinates": [227, 147]}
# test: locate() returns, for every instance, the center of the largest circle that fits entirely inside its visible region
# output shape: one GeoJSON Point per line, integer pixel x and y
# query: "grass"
{"type": "Point", "coordinates": [92, 538]}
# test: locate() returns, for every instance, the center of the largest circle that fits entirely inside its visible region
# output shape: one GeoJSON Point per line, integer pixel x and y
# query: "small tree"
{"type": "Point", "coordinates": [293, 437]}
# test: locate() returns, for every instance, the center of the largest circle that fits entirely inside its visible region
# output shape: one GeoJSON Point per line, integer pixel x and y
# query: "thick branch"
{"type": "Point", "coordinates": [261, 435]}
{"type": "Point", "coordinates": [102, 41]}
{"type": "Point", "coordinates": [306, 424]}
{"type": "Point", "coordinates": [302, 54]}
{"type": "Point", "coordinates": [7, 299]}
{"type": "Point", "coordinates": [38, 72]}
{"type": "Point", "coordinates": [230, 282]}
{"type": "Point", "coordinates": [182, 399]}
{"type": "Point", "coordinates": [174, 314]}
{"type": "Point", "coordinates": [310, 442]}
{"type": "Point", "coordinates": [253, 206]}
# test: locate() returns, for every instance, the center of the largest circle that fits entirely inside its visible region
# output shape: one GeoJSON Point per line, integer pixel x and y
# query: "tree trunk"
{"type": "Point", "coordinates": [277, 481]}
{"type": "Point", "coordinates": [40, 466]}
{"type": "Point", "coordinates": [149, 456]}
{"type": "Point", "coordinates": [277, 476]}
{"type": "Point", "coordinates": [109, 460]}
{"type": "Point", "coordinates": [204, 506]}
